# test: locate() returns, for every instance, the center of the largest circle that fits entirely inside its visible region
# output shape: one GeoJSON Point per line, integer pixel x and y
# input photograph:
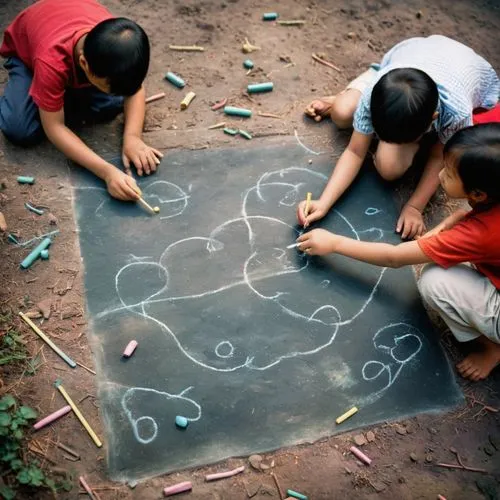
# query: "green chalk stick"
{"type": "Point", "coordinates": [35, 253]}
{"type": "Point", "coordinates": [44, 254]}
{"type": "Point", "coordinates": [35, 210]}
{"type": "Point", "coordinates": [295, 494]}
{"type": "Point", "coordinates": [230, 110]}
{"type": "Point", "coordinates": [245, 134]}
{"type": "Point", "coordinates": [248, 63]}
{"type": "Point", "coordinates": [176, 80]}
{"type": "Point", "coordinates": [260, 87]}
{"type": "Point", "coordinates": [270, 16]}
{"type": "Point", "coordinates": [12, 239]}
{"type": "Point", "coordinates": [230, 131]}
{"type": "Point", "coordinates": [25, 180]}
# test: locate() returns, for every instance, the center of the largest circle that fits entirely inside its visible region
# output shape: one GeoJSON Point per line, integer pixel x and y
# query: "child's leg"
{"type": "Point", "coordinates": [470, 305]}
{"type": "Point", "coordinates": [19, 117]}
{"type": "Point", "coordinates": [393, 160]}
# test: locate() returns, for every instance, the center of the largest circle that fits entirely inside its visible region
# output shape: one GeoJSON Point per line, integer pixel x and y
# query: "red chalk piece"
{"type": "Point", "coordinates": [360, 455]}
{"type": "Point", "coordinates": [177, 488]}
{"type": "Point", "coordinates": [222, 475]}
{"type": "Point", "coordinates": [219, 104]}
{"type": "Point", "coordinates": [129, 350]}
{"type": "Point", "coordinates": [86, 487]}
{"type": "Point", "coordinates": [53, 416]}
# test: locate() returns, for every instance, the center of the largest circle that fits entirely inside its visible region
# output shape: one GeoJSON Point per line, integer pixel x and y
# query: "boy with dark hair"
{"type": "Point", "coordinates": [422, 84]}
{"type": "Point", "coordinates": [467, 297]}
{"type": "Point", "coordinates": [77, 45]}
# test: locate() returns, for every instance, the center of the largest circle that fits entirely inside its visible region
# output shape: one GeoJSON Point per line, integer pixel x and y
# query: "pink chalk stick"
{"type": "Point", "coordinates": [53, 416]}
{"type": "Point", "coordinates": [360, 455]}
{"type": "Point", "coordinates": [177, 488]}
{"type": "Point", "coordinates": [222, 475]}
{"type": "Point", "coordinates": [441, 497]}
{"type": "Point", "coordinates": [129, 350]}
{"type": "Point", "coordinates": [86, 487]}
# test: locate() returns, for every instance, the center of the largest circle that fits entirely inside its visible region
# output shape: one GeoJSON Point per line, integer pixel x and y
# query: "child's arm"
{"type": "Point", "coordinates": [144, 157]}
{"type": "Point", "coordinates": [343, 175]}
{"type": "Point", "coordinates": [322, 242]}
{"type": "Point", "coordinates": [119, 184]}
{"type": "Point", "coordinates": [447, 223]}
{"type": "Point", "coordinates": [411, 222]}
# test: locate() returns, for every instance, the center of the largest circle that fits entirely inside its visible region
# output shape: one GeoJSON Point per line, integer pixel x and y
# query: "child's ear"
{"type": "Point", "coordinates": [83, 63]}
{"type": "Point", "coordinates": [478, 196]}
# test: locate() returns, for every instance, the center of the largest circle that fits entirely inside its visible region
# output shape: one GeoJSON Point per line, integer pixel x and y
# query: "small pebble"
{"type": "Point", "coordinates": [378, 486]}
{"type": "Point", "coordinates": [413, 457]}
{"type": "Point", "coordinates": [419, 14]}
{"type": "Point", "coordinates": [360, 440]}
{"type": "Point", "coordinates": [310, 162]}
{"type": "Point", "coordinates": [432, 430]}
{"type": "Point", "coordinates": [429, 458]}
{"type": "Point", "coordinates": [400, 430]}
{"type": "Point", "coordinates": [255, 461]}
{"type": "Point", "coordinates": [370, 436]}
{"type": "Point", "coordinates": [181, 422]}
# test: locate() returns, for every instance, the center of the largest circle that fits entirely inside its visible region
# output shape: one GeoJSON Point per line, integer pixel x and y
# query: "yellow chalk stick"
{"type": "Point", "coordinates": [346, 415]}
{"type": "Point", "coordinates": [79, 415]}
{"type": "Point", "coordinates": [187, 100]}
{"type": "Point", "coordinates": [308, 203]}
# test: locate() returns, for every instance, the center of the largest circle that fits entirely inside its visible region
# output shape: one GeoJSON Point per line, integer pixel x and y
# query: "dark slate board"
{"type": "Point", "coordinates": [259, 345]}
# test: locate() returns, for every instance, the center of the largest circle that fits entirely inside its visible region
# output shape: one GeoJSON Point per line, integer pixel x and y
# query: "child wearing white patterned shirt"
{"type": "Point", "coordinates": [422, 84]}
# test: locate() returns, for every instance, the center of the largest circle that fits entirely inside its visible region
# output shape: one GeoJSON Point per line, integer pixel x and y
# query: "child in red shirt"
{"type": "Point", "coordinates": [467, 297]}
{"type": "Point", "coordinates": [54, 46]}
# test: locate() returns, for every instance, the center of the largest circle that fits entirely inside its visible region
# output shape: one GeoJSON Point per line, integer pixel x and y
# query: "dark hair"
{"type": "Point", "coordinates": [402, 104]}
{"type": "Point", "coordinates": [118, 50]}
{"type": "Point", "coordinates": [476, 155]}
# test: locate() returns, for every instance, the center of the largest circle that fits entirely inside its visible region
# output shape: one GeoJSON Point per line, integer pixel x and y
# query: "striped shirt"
{"type": "Point", "coordinates": [464, 79]}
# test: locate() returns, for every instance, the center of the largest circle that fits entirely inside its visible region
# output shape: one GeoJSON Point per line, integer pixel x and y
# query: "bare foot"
{"type": "Point", "coordinates": [478, 365]}
{"type": "Point", "coordinates": [320, 108]}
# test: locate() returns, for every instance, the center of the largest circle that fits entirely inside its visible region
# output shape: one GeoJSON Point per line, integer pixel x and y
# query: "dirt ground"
{"type": "Point", "coordinates": [351, 35]}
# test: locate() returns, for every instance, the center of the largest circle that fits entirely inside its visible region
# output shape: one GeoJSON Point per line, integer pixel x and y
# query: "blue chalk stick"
{"type": "Point", "coordinates": [181, 422]}
{"type": "Point", "coordinates": [44, 254]}
{"type": "Point", "coordinates": [13, 239]}
{"type": "Point", "coordinates": [35, 254]}
{"type": "Point", "coordinates": [270, 16]}
{"type": "Point", "coordinates": [248, 63]}
{"type": "Point", "coordinates": [176, 80]}
{"type": "Point", "coordinates": [230, 110]}
{"type": "Point", "coordinates": [260, 87]}
{"type": "Point", "coordinates": [295, 494]}
{"type": "Point", "coordinates": [22, 179]}
{"type": "Point", "coordinates": [33, 209]}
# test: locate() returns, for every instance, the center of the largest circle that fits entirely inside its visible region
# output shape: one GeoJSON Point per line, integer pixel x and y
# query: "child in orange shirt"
{"type": "Point", "coordinates": [467, 297]}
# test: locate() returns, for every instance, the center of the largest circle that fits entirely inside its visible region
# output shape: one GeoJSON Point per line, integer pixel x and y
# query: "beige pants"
{"type": "Point", "coordinates": [467, 301]}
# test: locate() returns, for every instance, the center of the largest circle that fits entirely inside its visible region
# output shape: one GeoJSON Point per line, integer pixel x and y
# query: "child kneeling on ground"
{"type": "Point", "coordinates": [463, 283]}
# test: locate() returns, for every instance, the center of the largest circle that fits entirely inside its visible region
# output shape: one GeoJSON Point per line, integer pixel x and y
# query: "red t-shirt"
{"type": "Point", "coordinates": [475, 239]}
{"type": "Point", "coordinates": [43, 36]}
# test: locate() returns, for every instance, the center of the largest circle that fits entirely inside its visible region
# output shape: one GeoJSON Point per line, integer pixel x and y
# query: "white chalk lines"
{"type": "Point", "coordinates": [267, 262]}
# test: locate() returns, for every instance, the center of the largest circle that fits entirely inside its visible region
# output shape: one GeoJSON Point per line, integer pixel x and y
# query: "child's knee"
{"type": "Point", "coordinates": [432, 284]}
{"type": "Point", "coordinates": [22, 134]}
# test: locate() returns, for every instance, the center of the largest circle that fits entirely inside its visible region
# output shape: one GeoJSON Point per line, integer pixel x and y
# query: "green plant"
{"type": "Point", "coordinates": [12, 347]}
{"type": "Point", "coordinates": [14, 420]}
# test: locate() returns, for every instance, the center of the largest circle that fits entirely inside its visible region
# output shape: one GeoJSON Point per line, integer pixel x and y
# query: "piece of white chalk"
{"type": "Point", "coordinates": [360, 455]}
{"type": "Point", "coordinates": [53, 416]}
{"type": "Point", "coordinates": [129, 350]}
{"type": "Point", "coordinates": [177, 488]}
{"type": "Point", "coordinates": [293, 245]}
{"type": "Point", "coordinates": [222, 475]}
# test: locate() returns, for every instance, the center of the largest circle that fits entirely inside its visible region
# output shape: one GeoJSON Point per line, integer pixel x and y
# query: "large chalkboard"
{"type": "Point", "coordinates": [258, 345]}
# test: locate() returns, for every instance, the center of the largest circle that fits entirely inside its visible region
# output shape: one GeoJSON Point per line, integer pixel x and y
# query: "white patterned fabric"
{"type": "Point", "coordinates": [464, 79]}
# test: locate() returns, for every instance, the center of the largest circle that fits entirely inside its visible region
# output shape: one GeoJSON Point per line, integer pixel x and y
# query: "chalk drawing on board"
{"type": "Point", "coordinates": [264, 274]}
{"type": "Point", "coordinates": [145, 427]}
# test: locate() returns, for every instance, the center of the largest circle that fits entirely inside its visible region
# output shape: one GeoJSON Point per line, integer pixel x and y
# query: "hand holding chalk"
{"type": "Point", "coordinates": [315, 210]}
{"type": "Point", "coordinates": [121, 186]}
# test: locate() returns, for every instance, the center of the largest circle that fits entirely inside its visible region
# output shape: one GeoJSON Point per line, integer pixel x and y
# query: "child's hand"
{"type": "Point", "coordinates": [320, 108]}
{"type": "Point", "coordinates": [316, 211]}
{"type": "Point", "coordinates": [122, 186]}
{"type": "Point", "coordinates": [410, 223]}
{"type": "Point", "coordinates": [144, 157]}
{"type": "Point", "coordinates": [317, 242]}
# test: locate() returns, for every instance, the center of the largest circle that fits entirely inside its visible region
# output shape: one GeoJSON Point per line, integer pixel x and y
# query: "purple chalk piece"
{"type": "Point", "coordinates": [360, 455]}
{"type": "Point", "coordinates": [177, 488]}
{"type": "Point", "coordinates": [129, 350]}
{"type": "Point", "coordinates": [222, 475]}
{"type": "Point", "coordinates": [53, 416]}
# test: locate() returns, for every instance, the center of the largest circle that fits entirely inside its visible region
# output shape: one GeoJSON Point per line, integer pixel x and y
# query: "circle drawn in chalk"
{"type": "Point", "coordinates": [140, 422]}
{"type": "Point", "coordinates": [222, 346]}
{"type": "Point", "coordinates": [372, 211]}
